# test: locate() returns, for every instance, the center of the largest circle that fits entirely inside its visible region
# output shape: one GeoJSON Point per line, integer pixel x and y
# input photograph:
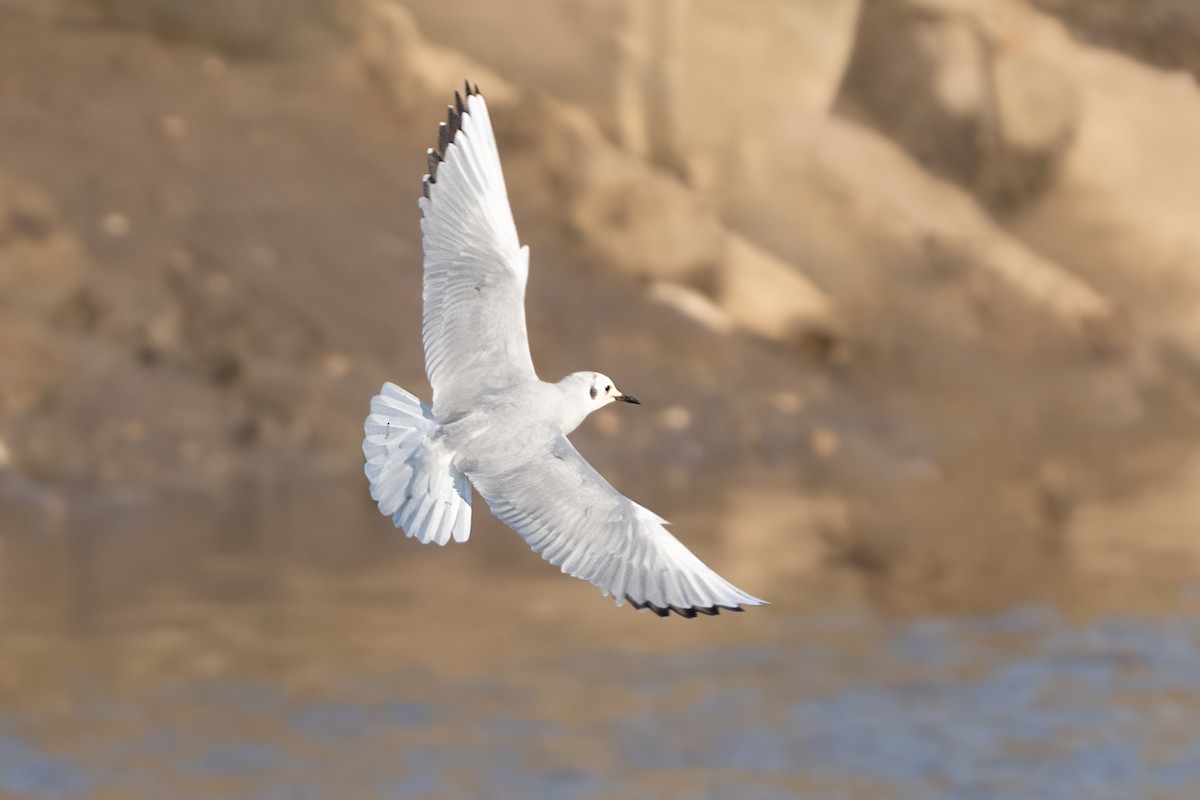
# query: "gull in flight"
{"type": "Point", "coordinates": [493, 423]}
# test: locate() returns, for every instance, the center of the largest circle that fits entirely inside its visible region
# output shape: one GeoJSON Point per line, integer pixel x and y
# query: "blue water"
{"type": "Point", "coordinates": [1013, 707]}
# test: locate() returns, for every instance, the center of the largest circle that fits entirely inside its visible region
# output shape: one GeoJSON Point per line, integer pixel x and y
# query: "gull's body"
{"type": "Point", "coordinates": [493, 423]}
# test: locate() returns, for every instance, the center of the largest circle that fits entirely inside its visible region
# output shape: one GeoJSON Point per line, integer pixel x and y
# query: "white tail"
{"type": "Point", "coordinates": [412, 477]}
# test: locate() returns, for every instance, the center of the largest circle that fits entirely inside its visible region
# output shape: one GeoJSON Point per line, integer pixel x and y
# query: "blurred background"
{"type": "Point", "coordinates": [909, 289]}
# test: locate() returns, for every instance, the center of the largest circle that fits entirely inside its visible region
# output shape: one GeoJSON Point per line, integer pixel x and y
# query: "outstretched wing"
{"type": "Point", "coordinates": [567, 512]}
{"type": "Point", "coordinates": [475, 268]}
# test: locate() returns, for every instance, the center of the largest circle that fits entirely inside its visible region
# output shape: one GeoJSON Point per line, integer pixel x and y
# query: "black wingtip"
{"type": "Point", "coordinates": [446, 132]}
{"type": "Point", "coordinates": [687, 612]}
{"type": "Point", "coordinates": [433, 165]}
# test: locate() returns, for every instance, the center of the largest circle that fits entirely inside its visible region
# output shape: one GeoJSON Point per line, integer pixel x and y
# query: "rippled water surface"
{"type": "Point", "coordinates": [276, 655]}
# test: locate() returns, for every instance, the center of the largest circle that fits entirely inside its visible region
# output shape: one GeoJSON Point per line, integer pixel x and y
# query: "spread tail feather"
{"type": "Point", "coordinates": [412, 475]}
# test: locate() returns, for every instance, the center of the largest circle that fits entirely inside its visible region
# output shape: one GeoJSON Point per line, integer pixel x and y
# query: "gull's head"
{"type": "Point", "coordinates": [600, 390]}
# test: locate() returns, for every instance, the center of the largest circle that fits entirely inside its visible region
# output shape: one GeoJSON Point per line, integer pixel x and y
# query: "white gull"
{"type": "Point", "coordinates": [494, 424]}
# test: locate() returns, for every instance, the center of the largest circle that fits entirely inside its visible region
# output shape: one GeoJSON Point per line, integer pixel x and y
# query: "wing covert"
{"type": "Point", "coordinates": [473, 326]}
{"type": "Point", "coordinates": [570, 514]}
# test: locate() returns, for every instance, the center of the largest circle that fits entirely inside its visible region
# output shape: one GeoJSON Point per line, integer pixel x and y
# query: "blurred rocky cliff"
{"type": "Point", "coordinates": [920, 278]}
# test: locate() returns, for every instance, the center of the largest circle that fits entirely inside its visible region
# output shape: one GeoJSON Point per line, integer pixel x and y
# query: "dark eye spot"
{"type": "Point", "coordinates": [608, 388]}
{"type": "Point", "coordinates": [593, 392]}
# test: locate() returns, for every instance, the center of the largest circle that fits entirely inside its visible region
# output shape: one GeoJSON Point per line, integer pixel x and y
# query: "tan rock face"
{"type": "Point", "coordinates": [858, 214]}
{"type": "Point", "coordinates": [641, 219]}
{"type": "Point", "coordinates": [652, 74]}
{"type": "Point", "coordinates": [765, 65]}
{"type": "Point", "coordinates": [1130, 187]}
{"type": "Point", "coordinates": [1165, 33]}
{"type": "Point", "coordinates": [1122, 209]}
{"type": "Point", "coordinates": [966, 103]}
{"type": "Point", "coordinates": [643, 222]}
{"type": "Point", "coordinates": [770, 297]}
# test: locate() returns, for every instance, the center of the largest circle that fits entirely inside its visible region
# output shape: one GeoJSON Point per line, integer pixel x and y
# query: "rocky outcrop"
{"type": "Point", "coordinates": [1087, 156]}
{"type": "Point", "coordinates": [653, 74]}
{"type": "Point", "coordinates": [637, 217]}
{"type": "Point", "coordinates": [981, 110]}
{"type": "Point", "coordinates": [1165, 33]}
{"type": "Point", "coordinates": [1121, 209]}
{"type": "Point", "coordinates": [860, 214]}
{"type": "Point", "coordinates": [768, 296]}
